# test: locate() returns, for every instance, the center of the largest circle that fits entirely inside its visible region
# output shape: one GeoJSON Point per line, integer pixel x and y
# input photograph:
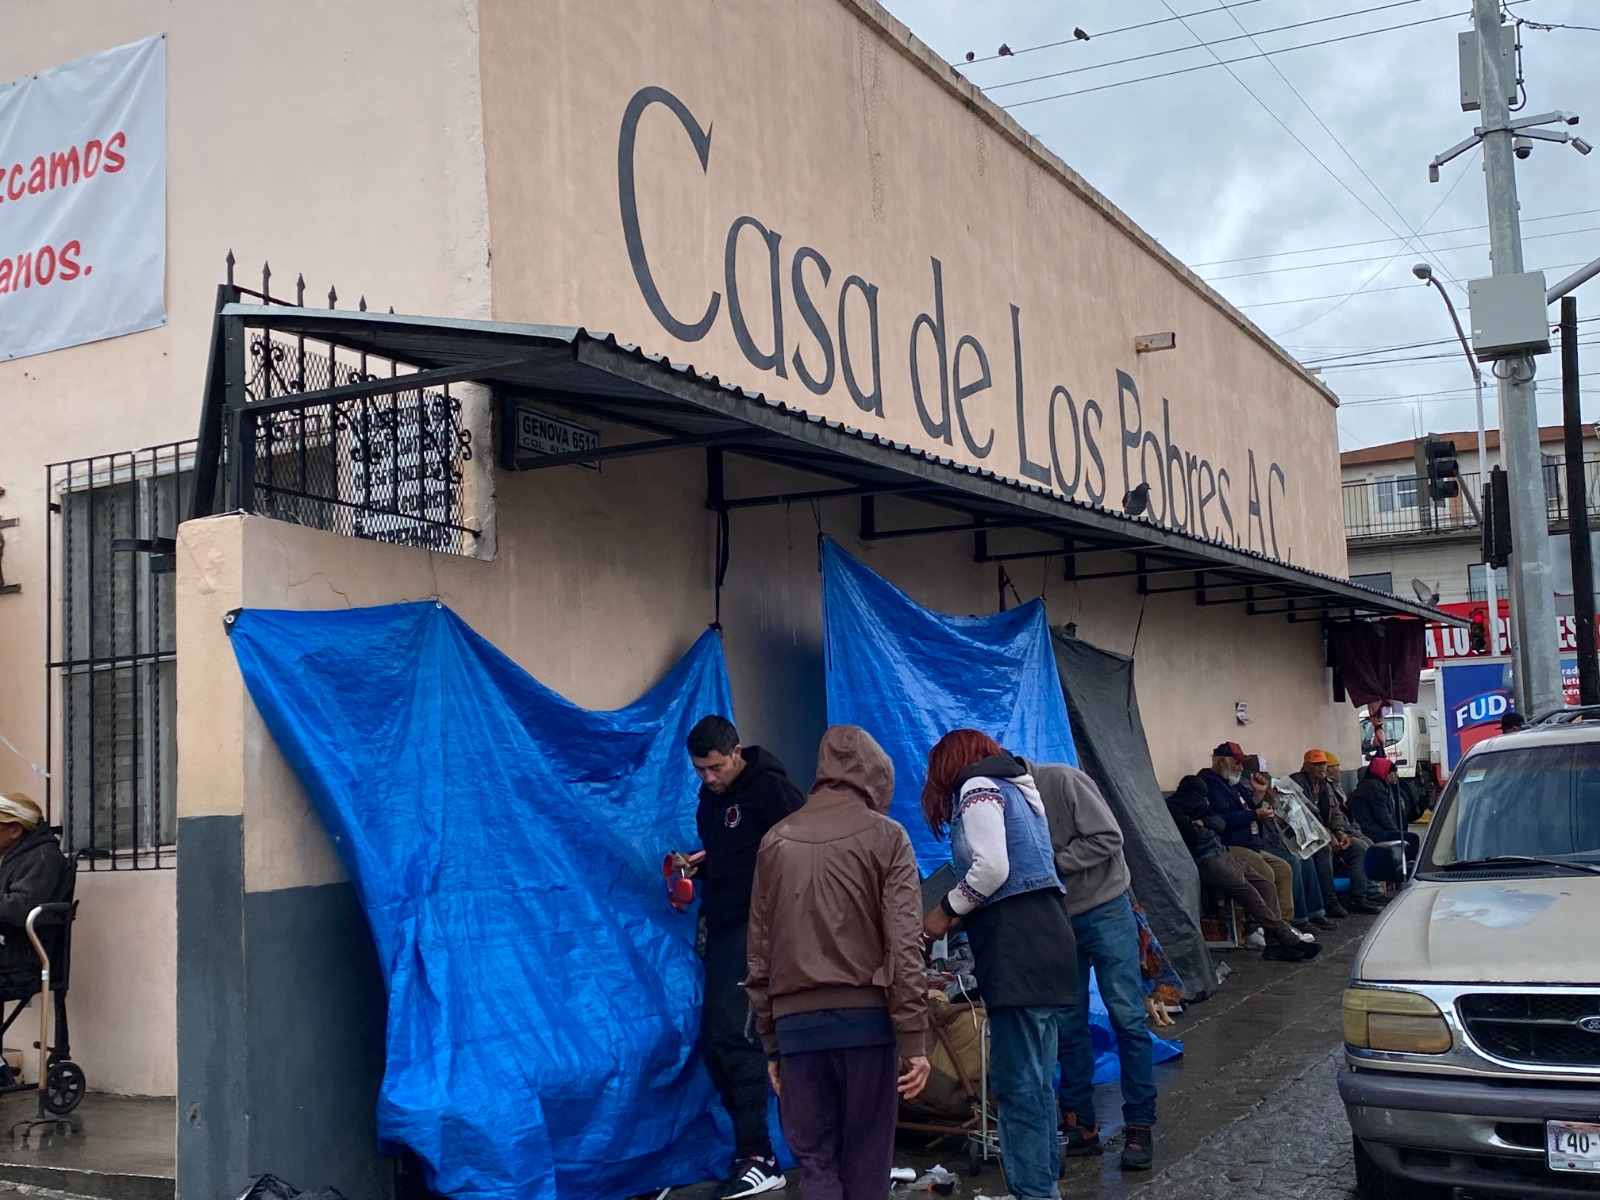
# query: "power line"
{"type": "Point", "coordinates": [1346, 262]}
{"type": "Point", "coordinates": [1345, 150]}
{"type": "Point", "coordinates": [1284, 125]}
{"type": "Point", "coordinates": [1348, 295]}
{"type": "Point", "coordinates": [1199, 42]}
{"type": "Point", "coordinates": [1242, 58]}
{"type": "Point", "coordinates": [1358, 351]}
{"type": "Point", "coordinates": [1367, 282]}
{"type": "Point", "coordinates": [1386, 363]}
{"type": "Point", "coordinates": [1222, 262]}
{"type": "Point", "coordinates": [1542, 27]}
{"type": "Point", "coordinates": [1072, 41]}
{"type": "Point", "coordinates": [1380, 401]}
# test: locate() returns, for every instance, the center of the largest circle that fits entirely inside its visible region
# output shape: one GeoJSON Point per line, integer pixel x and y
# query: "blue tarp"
{"type": "Point", "coordinates": [1107, 1066]}
{"type": "Point", "coordinates": [506, 846]}
{"type": "Point", "coordinates": [909, 676]}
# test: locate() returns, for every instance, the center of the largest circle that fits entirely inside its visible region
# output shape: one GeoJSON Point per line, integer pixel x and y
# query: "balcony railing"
{"type": "Point", "coordinates": [1399, 507]}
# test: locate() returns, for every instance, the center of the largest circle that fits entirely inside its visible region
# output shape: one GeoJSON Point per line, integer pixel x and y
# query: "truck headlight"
{"type": "Point", "coordinates": [1401, 1022]}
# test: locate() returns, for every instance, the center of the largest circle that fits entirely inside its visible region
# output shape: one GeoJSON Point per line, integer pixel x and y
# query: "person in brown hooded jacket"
{"type": "Point", "coordinates": [836, 976]}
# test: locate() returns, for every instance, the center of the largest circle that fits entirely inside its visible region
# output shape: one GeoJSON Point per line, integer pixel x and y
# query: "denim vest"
{"type": "Point", "coordinates": [1028, 847]}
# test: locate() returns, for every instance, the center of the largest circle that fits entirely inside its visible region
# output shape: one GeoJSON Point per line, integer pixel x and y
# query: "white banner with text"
{"type": "Point", "coordinates": [83, 200]}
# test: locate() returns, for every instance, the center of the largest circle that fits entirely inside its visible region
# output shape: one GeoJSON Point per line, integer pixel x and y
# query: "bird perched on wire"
{"type": "Point", "coordinates": [1005, 51]}
{"type": "Point", "coordinates": [971, 56]}
{"type": "Point", "coordinates": [1136, 501]}
{"type": "Point", "coordinates": [1078, 33]}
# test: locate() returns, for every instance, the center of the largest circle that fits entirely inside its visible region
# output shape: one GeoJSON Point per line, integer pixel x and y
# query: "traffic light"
{"type": "Point", "coordinates": [1496, 520]}
{"type": "Point", "coordinates": [1444, 474]}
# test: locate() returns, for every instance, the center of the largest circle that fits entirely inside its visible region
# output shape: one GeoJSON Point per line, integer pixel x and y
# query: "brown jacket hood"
{"type": "Point", "coordinates": [836, 915]}
{"type": "Point", "coordinates": [850, 760]}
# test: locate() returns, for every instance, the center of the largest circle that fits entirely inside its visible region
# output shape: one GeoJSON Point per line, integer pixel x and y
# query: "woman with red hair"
{"type": "Point", "coordinates": [1013, 907]}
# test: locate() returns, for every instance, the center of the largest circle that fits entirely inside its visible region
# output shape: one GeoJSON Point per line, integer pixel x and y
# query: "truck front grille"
{"type": "Point", "coordinates": [1534, 1027]}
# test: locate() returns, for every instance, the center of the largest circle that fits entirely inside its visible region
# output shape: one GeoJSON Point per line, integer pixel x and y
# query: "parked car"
{"type": "Point", "coordinates": [1472, 1019]}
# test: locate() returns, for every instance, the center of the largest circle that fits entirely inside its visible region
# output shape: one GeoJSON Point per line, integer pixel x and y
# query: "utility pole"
{"type": "Point", "coordinates": [1536, 659]}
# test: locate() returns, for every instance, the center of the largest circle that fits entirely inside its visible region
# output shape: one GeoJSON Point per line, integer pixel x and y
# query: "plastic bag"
{"type": "Point", "coordinates": [1303, 834]}
{"type": "Point", "coordinates": [269, 1187]}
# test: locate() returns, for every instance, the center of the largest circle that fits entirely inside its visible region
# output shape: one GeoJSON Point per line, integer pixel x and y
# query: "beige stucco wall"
{"type": "Point", "coordinates": [122, 994]}
{"type": "Point", "coordinates": [123, 999]}
{"type": "Point", "coordinates": [826, 123]}
{"type": "Point", "coordinates": [603, 581]}
{"type": "Point", "coordinates": [343, 141]}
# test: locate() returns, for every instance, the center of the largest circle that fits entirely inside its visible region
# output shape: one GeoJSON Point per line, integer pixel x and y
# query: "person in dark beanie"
{"type": "Point", "coordinates": [836, 973]}
{"type": "Point", "coordinates": [744, 792]}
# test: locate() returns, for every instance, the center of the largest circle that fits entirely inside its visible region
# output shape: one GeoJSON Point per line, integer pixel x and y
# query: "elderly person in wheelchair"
{"type": "Point", "coordinates": [33, 872]}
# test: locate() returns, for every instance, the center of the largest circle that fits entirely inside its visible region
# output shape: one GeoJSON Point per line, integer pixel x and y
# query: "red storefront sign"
{"type": "Point", "coordinates": [1489, 636]}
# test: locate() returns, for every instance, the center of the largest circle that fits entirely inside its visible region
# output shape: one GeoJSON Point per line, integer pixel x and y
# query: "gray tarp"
{"type": "Point", "coordinates": [1104, 708]}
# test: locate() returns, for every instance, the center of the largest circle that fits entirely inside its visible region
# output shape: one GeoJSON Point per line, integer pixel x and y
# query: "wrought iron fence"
{"type": "Point", "coordinates": [1399, 506]}
{"type": "Point", "coordinates": [388, 464]}
{"type": "Point", "coordinates": [112, 661]}
{"type": "Point", "coordinates": [387, 467]}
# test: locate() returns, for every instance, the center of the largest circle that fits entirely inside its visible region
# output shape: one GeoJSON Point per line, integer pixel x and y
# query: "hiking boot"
{"type": "Point", "coordinates": [1364, 908]}
{"type": "Point", "coordinates": [1338, 911]}
{"type": "Point", "coordinates": [1323, 923]}
{"type": "Point", "coordinates": [750, 1177]}
{"type": "Point", "coordinates": [1138, 1150]}
{"type": "Point", "coordinates": [1078, 1141]}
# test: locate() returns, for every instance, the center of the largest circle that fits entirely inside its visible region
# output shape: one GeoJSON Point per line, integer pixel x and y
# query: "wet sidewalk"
{"type": "Point", "coordinates": [1250, 1108]}
{"type": "Point", "coordinates": [127, 1149]}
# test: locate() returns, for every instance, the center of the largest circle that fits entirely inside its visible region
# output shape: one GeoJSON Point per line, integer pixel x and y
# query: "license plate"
{"type": "Point", "coordinates": [1573, 1146]}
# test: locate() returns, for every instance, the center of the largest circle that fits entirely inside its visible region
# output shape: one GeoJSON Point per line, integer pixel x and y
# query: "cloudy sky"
{"type": "Point", "coordinates": [1313, 232]}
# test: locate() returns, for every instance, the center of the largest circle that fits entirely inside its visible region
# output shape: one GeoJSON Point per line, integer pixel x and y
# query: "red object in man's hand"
{"type": "Point", "coordinates": [680, 887]}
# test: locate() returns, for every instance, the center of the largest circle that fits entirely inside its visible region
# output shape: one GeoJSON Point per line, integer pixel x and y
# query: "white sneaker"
{"type": "Point", "coordinates": [1304, 936]}
{"type": "Point", "coordinates": [759, 1176]}
{"type": "Point", "coordinates": [1257, 940]}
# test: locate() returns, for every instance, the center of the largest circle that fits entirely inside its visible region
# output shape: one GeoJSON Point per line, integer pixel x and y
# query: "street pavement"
{"type": "Point", "coordinates": [1251, 1108]}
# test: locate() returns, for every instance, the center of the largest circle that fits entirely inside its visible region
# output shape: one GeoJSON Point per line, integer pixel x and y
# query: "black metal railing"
{"type": "Point", "coordinates": [388, 468]}
{"type": "Point", "coordinates": [112, 655]}
{"type": "Point", "coordinates": [1399, 507]}
{"type": "Point", "coordinates": [387, 463]}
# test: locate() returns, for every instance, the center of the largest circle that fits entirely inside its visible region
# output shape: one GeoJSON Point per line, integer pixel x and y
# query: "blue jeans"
{"type": "Point", "coordinates": [1108, 940]}
{"type": "Point", "coordinates": [1307, 888]}
{"type": "Point", "coordinates": [1022, 1059]}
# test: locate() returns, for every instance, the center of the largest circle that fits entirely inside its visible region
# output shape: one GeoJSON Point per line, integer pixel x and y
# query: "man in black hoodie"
{"type": "Point", "coordinates": [744, 792]}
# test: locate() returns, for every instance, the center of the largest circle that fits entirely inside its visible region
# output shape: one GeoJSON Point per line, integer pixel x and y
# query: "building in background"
{"type": "Point", "coordinates": [1394, 535]}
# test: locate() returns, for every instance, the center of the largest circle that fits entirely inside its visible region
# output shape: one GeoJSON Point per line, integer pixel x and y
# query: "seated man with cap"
{"type": "Point", "coordinates": [1230, 799]}
{"type": "Point", "coordinates": [33, 871]}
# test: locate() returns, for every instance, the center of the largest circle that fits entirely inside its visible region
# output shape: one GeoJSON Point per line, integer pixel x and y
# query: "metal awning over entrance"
{"type": "Point", "coordinates": [591, 377]}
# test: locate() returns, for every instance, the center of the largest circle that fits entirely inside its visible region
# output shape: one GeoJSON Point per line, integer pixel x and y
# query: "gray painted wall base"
{"type": "Point", "coordinates": [281, 1019]}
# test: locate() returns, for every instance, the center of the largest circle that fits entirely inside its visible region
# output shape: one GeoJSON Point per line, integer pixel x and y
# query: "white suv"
{"type": "Point", "coordinates": [1472, 1020]}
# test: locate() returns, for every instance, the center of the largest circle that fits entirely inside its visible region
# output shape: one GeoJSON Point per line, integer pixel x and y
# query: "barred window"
{"type": "Point", "coordinates": [114, 680]}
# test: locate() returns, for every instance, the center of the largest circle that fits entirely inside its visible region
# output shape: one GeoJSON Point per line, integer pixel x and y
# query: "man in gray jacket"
{"type": "Point", "coordinates": [1088, 851]}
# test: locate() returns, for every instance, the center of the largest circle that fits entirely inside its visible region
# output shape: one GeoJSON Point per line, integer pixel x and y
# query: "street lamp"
{"type": "Point", "coordinates": [1425, 273]}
